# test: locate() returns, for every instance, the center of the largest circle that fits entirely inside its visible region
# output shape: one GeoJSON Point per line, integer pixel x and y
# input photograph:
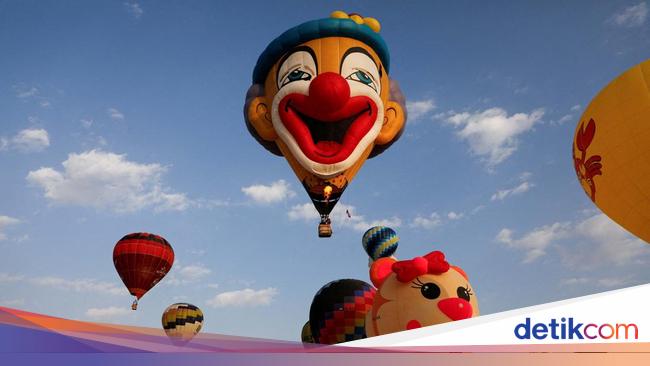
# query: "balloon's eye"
{"type": "Point", "coordinates": [429, 290]}
{"type": "Point", "coordinates": [363, 78]}
{"type": "Point", "coordinates": [295, 75]}
{"type": "Point", "coordinates": [464, 292]}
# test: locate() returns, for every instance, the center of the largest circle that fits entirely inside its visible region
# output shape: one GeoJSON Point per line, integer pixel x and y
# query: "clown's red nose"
{"type": "Point", "coordinates": [456, 308]}
{"type": "Point", "coordinates": [328, 92]}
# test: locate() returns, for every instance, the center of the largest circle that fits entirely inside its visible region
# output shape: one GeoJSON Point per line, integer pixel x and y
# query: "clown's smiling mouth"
{"type": "Point", "coordinates": [324, 135]}
{"type": "Point", "coordinates": [328, 136]}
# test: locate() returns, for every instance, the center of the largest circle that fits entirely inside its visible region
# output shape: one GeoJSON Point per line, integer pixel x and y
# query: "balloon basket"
{"type": "Point", "coordinates": [324, 230]}
{"type": "Point", "coordinates": [134, 306]}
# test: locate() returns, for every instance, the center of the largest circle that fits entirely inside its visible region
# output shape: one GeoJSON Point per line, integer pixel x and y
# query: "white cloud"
{"type": "Point", "coordinates": [535, 242]}
{"type": "Point", "coordinates": [6, 277]}
{"type": "Point", "coordinates": [632, 16]}
{"type": "Point", "coordinates": [22, 92]}
{"type": "Point", "coordinates": [564, 119]}
{"type": "Point", "coordinates": [4, 222]}
{"type": "Point", "coordinates": [86, 122]}
{"type": "Point", "coordinates": [492, 134]}
{"type": "Point", "coordinates": [521, 188]}
{"type": "Point", "coordinates": [525, 176]}
{"type": "Point", "coordinates": [454, 215]}
{"type": "Point", "coordinates": [606, 282]}
{"type": "Point", "coordinates": [306, 212]}
{"type": "Point", "coordinates": [594, 242]}
{"type": "Point", "coordinates": [568, 117]}
{"type": "Point", "coordinates": [31, 140]}
{"type": "Point", "coordinates": [106, 180]}
{"type": "Point", "coordinates": [115, 114]}
{"type": "Point", "coordinates": [430, 222]}
{"type": "Point", "coordinates": [108, 312]}
{"type": "Point", "coordinates": [78, 285]}
{"type": "Point", "coordinates": [419, 108]}
{"type": "Point", "coordinates": [134, 9]}
{"type": "Point", "coordinates": [194, 272]}
{"type": "Point", "coordinates": [477, 209]}
{"type": "Point", "coordinates": [575, 281]}
{"type": "Point", "coordinates": [12, 303]}
{"type": "Point", "coordinates": [31, 93]}
{"type": "Point", "coordinates": [603, 242]}
{"type": "Point", "coordinates": [243, 298]}
{"type": "Point", "coordinates": [276, 192]}
{"type": "Point", "coordinates": [182, 275]}
{"type": "Point", "coordinates": [27, 140]}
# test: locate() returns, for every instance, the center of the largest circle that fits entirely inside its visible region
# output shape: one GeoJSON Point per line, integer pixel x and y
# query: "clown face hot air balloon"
{"type": "Point", "coordinates": [142, 260]}
{"type": "Point", "coordinates": [321, 97]}
{"type": "Point", "coordinates": [338, 311]}
{"type": "Point", "coordinates": [611, 150]}
{"type": "Point", "coordinates": [182, 322]}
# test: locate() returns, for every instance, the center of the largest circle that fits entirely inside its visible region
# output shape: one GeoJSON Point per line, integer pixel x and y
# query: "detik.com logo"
{"type": "Point", "coordinates": [568, 328]}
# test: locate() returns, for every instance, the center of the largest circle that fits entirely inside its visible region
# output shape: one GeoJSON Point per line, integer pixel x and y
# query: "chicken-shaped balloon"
{"type": "Point", "coordinates": [417, 293]}
{"type": "Point", "coordinates": [321, 97]}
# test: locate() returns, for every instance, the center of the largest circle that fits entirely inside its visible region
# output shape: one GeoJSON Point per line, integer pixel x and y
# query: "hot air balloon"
{"type": "Point", "coordinates": [142, 260]}
{"type": "Point", "coordinates": [321, 97]}
{"type": "Point", "coordinates": [417, 293]}
{"type": "Point", "coordinates": [182, 322]}
{"type": "Point", "coordinates": [338, 311]}
{"type": "Point", "coordinates": [380, 242]}
{"type": "Point", "coordinates": [611, 150]}
{"type": "Point", "coordinates": [305, 334]}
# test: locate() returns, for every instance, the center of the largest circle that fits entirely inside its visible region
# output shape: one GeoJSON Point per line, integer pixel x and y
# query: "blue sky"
{"type": "Point", "coordinates": [118, 117]}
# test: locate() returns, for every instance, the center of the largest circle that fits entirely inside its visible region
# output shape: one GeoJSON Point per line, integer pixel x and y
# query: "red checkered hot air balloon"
{"type": "Point", "coordinates": [142, 260]}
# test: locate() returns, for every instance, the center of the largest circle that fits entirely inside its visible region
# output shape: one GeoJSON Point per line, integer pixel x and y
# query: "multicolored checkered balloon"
{"type": "Point", "coordinates": [338, 311]}
{"type": "Point", "coordinates": [380, 242]}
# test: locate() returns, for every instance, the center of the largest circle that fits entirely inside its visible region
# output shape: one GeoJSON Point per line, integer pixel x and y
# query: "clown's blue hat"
{"type": "Point", "coordinates": [339, 24]}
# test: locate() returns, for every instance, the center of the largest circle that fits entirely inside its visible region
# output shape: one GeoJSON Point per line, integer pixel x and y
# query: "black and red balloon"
{"type": "Point", "coordinates": [338, 311]}
{"type": "Point", "coordinates": [142, 260]}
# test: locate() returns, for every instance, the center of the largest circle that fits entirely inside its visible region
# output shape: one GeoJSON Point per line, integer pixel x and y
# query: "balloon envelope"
{"type": "Point", "coordinates": [611, 153]}
{"type": "Point", "coordinates": [338, 311]}
{"type": "Point", "coordinates": [305, 334]}
{"type": "Point", "coordinates": [379, 242]}
{"type": "Point", "coordinates": [142, 260]}
{"type": "Point", "coordinates": [182, 322]}
{"type": "Point", "coordinates": [322, 98]}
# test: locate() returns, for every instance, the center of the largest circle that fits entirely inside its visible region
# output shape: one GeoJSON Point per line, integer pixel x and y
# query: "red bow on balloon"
{"type": "Point", "coordinates": [433, 263]}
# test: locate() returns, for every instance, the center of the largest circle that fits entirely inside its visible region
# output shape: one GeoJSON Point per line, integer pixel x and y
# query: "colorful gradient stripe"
{"type": "Point", "coordinates": [28, 338]}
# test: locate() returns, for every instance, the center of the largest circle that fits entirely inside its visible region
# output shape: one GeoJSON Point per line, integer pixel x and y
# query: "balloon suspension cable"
{"type": "Point", "coordinates": [325, 219]}
{"type": "Point", "coordinates": [134, 306]}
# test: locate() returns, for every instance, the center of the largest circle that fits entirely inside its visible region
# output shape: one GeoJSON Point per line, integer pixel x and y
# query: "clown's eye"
{"type": "Point", "coordinates": [364, 78]}
{"type": "Point", "coordinates": [464, 292]}
{"type": "Point", "coordinates": [358, 66]}
{"type": "Point", "coordinates": [295, 75]}
{"type": "Point", "coordinates": [299, 66]}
